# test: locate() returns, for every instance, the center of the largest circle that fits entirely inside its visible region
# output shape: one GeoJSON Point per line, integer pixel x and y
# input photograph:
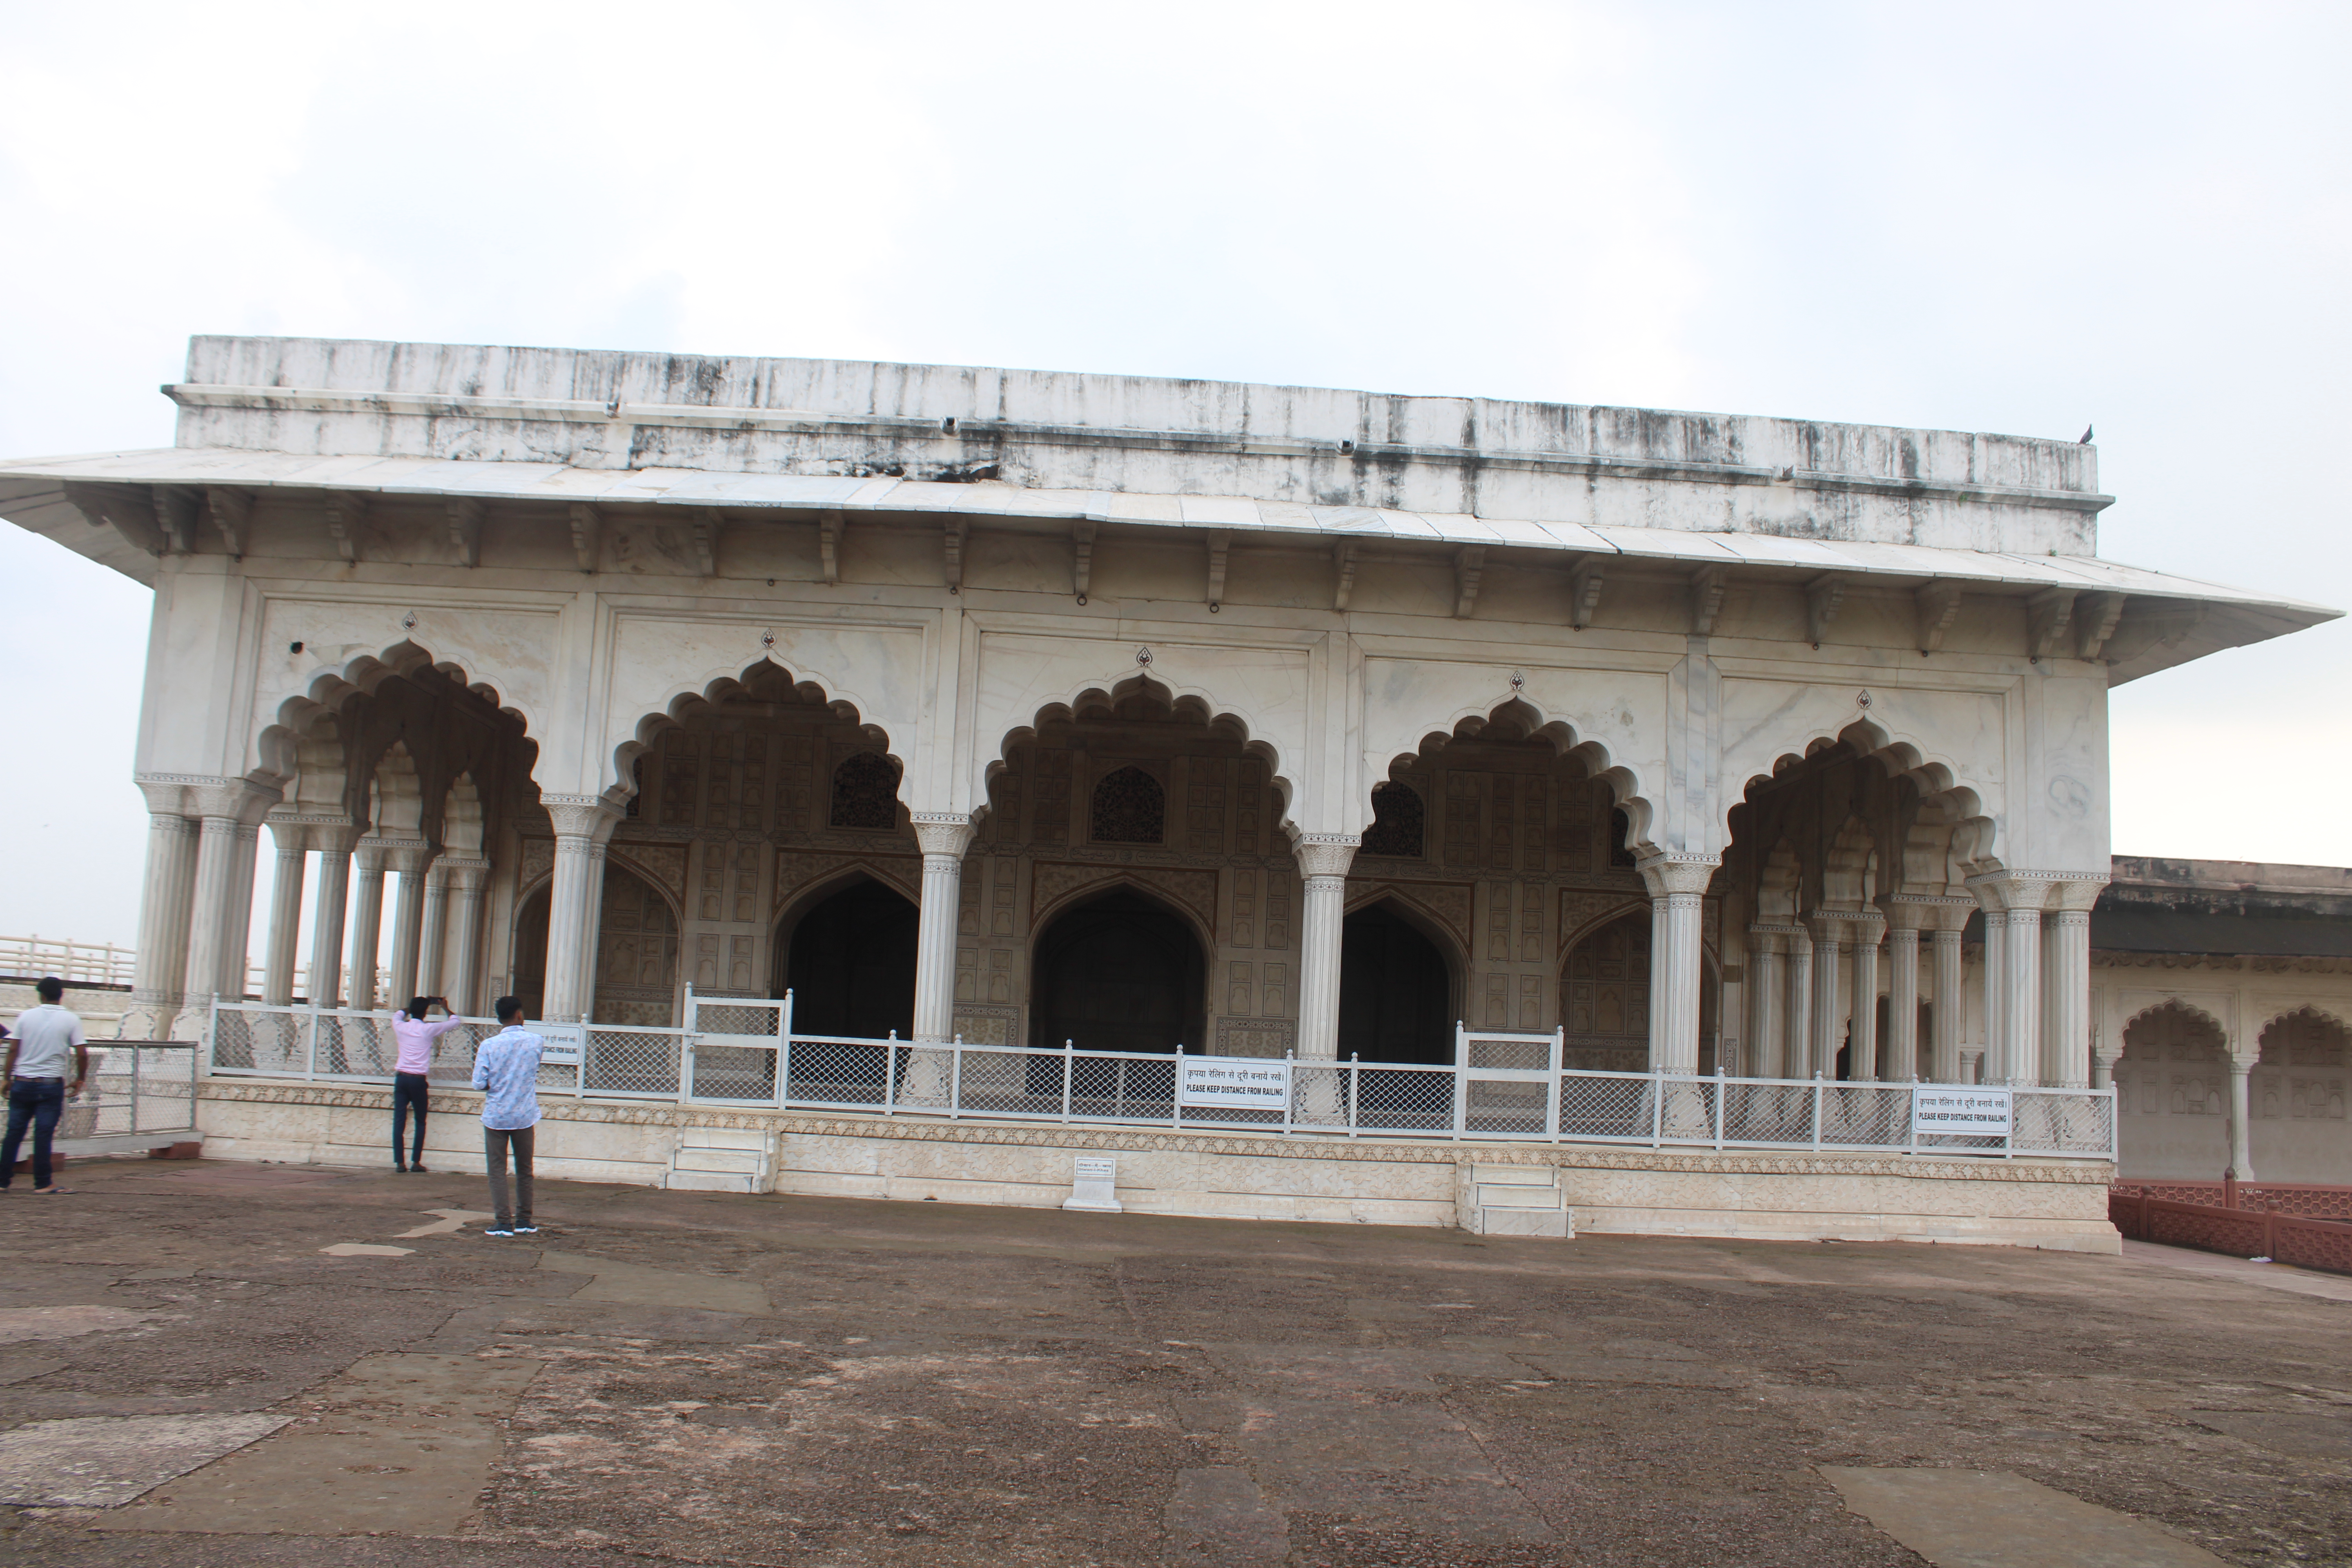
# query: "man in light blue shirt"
{"type": "Point", "coordinates": [506, 1069]}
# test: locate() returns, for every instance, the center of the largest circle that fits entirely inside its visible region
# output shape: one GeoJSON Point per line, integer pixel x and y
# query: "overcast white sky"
{"type": "Point", "coordinates": [2014, 218]}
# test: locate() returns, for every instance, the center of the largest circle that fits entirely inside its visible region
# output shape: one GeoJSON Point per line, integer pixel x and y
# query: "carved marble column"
{"type": "Point", "coordinates": [1797, 1019]}
{"type": "Point", "coordinates": [160, 971]}
{"type": "Point", "coordinates": [583, 825]}
{"type": "Point", "coordinates": [2241, 1130]}
{"type": "Point", "coordinates": [1767, 1002]}
{"type": "Point", "coordinates": [2066, 985]}
{"type": "Point", "coordinates": [327, 920]}
{"type": "Point", "coordinates": [237, 917]}
{"type": "Point", "coordinates": [369, 860]}
{"type": "Point", "coordinates": [460, 980]}
{"type": "Point", "coordinates": [293, 840]}
{"type": "Point", "coordinates": [944, 838]}
{"type": "Point", "coordinates": [1677, 882]}
{"type": "Point", "coordinates": [1323, 862]}
{"type": "Point", "coordinates": [217, 924]}
{"type": "Point", "coordinates": [1995, 1053]}
{"type": "Point", "coordinates": [1902, 1063]}
{"type": "Point", "coordinates": [1829, 994]}
{"type": "Point", "coordinates": [1864, 930]}
{"type": "Point", "coordinates": [432, 929]}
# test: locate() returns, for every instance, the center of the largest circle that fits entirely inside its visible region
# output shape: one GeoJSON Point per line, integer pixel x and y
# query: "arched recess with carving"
{"type": "Point", "coordinates": [844, 946]}
{"type": "Point", "coordinates": [2299, 1093]}
{"type": "Point", "coordinates": [1520, 717]}
{"type": "Point", "coordinates": [1121, 969]}
{"type": "Point", "coordinates": [762, 680]}
{"type": "Point", "coordinates": [636, 950]}
{"type": "Point", "coordinates": [1402, 978]}
{"type": "Point", "coordinates": [2172, 1092]}
{"type": "Point", "coordinates": [1953, 786]}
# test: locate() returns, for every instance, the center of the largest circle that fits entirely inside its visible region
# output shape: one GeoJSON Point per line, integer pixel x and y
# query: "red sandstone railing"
{"type": "Point", "coordinates": [2306, 1200]}
{"type": "Point", "coordinates": [2141, 1214]}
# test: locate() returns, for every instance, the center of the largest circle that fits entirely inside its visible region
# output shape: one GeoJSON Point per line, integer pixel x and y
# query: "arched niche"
{"type": "Point", "coordinates": [2298, 1094]}
{"type": "Point", "coordinates": [846, 953]}
{"type": "Point", "coordinates": [2172, 1096]}
{"type": "Point", "coordinates": [1400, 993]}
{"type": "Point", "coordinates": [1605, 1000]}
{"type": "Point", "coordinates": [637, 953]}
{"type": "Point", "coordinates": [528, 980]}
{"type": "Point", "coordinates": [1119, 971]}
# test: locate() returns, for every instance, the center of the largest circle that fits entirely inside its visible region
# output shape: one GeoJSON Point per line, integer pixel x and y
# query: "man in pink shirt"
{"type": "Point", "coordinates": [411, 1077]}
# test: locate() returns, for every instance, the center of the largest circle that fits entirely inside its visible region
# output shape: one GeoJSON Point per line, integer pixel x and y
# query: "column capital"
{"type": "Point", "coordinates": [1768, 939]}
{"type": "Point", "coordinates": [202, 794]}
{"type": "Point", "coordinates": [947, 833]}
{"type": "Point", "coordinates": [1325, 854]}
{"type": "Point", "coordinates": [582, 815]}
{"type": "Point", "coordinates": [2022, 891]}
{"type": "Point", "coordinates": [1676, 874]}
{"type": "Point", "coordinates": [1927, 912]}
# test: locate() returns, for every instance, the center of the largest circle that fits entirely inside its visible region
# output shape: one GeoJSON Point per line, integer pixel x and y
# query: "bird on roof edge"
{"type": "Point", "coordinates": [2086, 437]}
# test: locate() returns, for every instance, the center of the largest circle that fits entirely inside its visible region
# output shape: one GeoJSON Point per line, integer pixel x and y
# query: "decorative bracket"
{"type": "Point", "coordinates": [1082, 564]}
{"type": "Point", "coordinates": [232, 515]}
{"type": "Point", "coordinates": [175, 514]}
{"type": "Point", "coordinates": [116, 509]}
{"type": "Point", "coordinates": [1585, 592]}
{"type": "Point", "coordinates": [828, 546]}
{"type": "Point", "coordinates": [707, 524]}
{"type": "Point", "coordinates": [587, 535]}
{"type": "Point", "coordinates": [1469, 566]}
{"type": "Point", "coordinates": [2095, 622]}
{"type": "Point", "coordinates": [1938, 606]}
{"type": "Point", "coordinates": [957, 529]}
{"type": "Point", "coordinates": [2047, 616]}
{"type": "Point", "coordinates": [346, 515]}
{"type": "Point", "coordinates": [1707, 587]}
{"type": "Point", "coordinates": [1221, 542]}
{"type": "Point", "coordinates": [1343, 558]}
{"type": "Point", "coordinates": [466, 514]}
{"type": "Point", "coordinates": [1823, 597]}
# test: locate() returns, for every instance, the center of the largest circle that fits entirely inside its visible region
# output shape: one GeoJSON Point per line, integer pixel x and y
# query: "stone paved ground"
{"type": "Point", "coordinates": [692, 1377]}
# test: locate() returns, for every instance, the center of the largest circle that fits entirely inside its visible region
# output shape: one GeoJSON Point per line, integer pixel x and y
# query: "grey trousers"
{"type": "Point", "coordinates": [496, 1141]}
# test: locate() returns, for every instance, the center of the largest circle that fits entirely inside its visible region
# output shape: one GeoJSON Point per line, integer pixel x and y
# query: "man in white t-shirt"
{"type": "Point", "coordinates": [47, 1038]}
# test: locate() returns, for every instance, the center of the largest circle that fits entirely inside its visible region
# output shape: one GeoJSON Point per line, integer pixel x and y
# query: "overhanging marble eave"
{"type": "Point", "coordinates": [33, 496]}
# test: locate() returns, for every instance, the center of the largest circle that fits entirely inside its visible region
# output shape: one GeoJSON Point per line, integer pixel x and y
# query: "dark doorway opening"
{"type": "Point", "coordinates": [851, 965]}
{"type": "Point", "coordinates": [1396, 996]}
{"type": "Point", "coordinates": [530, 977]}
{"type": "Point", "coordinates": [1119, 973]}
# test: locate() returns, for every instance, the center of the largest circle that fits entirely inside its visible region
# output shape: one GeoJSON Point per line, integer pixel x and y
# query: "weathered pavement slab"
{"type": "Point", "coordinates": [1966, 1518]}
{"type": "Point", "coordinates": [676, 1376]}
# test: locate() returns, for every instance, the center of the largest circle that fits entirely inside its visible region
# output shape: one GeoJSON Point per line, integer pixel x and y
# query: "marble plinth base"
{"type": "Point", "coordinates": [2053, 1204]}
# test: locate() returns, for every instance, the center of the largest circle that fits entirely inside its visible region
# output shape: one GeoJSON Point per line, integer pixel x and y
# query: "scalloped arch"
{"type": "Point", "coordinates": [327, 687]}
{"type": "Point", "coordinates": [2172, 1005]}
{"type": "Point", "coordinates": [2340, 1017]}
{"type": "Point", "coordinates": [1601, 921]}
{"type": "Point", "coordinates": [1624, 783]}
{"type": "Point", "coordinates": [1186, 702]}
{"type": "Point", "coordinates": [710, 687]}
{"type": "Point", "coordinates": [1937, 775]}
{"type": "Point", "coordinates": [1116, 878]}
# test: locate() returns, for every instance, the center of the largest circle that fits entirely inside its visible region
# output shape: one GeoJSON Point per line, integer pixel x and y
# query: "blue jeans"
{"type": "Point", "coordinates": [40, 1102]}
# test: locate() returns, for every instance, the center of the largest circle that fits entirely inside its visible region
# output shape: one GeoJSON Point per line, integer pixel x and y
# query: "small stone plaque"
{"type": "Point", "coordinates": [1095, 1186]}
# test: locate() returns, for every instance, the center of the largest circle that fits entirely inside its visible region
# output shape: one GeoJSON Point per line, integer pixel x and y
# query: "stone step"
{"type": "Point", "coordinates": [1515, 1176]}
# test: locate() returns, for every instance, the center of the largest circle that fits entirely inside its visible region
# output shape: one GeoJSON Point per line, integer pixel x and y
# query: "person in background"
{"type": "Point", "coordinates": [506, 1069]}
{"type": "Point", "coordinates": [411, 1080]}
{"type": "Point", "coordinates": [47, 1036]}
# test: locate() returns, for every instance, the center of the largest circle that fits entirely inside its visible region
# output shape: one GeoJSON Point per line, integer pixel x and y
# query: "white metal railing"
{"type": "Point", "coordinates": [135, 1088]}
{"type": "Point", "coordinates": [75, 962]}
{"type": "Point", "coordinates": [735, 1051]}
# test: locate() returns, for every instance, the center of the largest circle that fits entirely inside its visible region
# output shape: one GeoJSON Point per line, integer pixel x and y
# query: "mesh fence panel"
{"type": "Point", "coordinates": [629, 1061]}
{"type": "Point", "coordinates": [734, 1072]}
{"type": "Point", "coordinates": [1607, 1107]}
{"type": "Point", "coordinates": [1687, 1112]}
{"type": "Point", "coordinates": [232, 1041]}
{"type": "Point", "coordinates": [1122, 1088]}
{"type": "Point", "coordinates": [1768, 1112]}
{"type": "Point", "coordinates": [1509, 1053]}
{"type": "Point", "coordinates": [1010, 1082]}
{"type": "Point", "coordinates": [1505, 1108]}
{"type": "Point", "coordinates": [1404, 1099]}
{"type": "Point", "coordinates": [2062, 1121]}
{"type": "Point", "coordinates": [842, 1072]}
{"type": "Point", "coordinates": [735, 1017]}
{"type": "Point", "coordinates": [355, 1045]}
{"type": "Point", "coordinates": [1318, 1095]}
{"type": "Point", "coordinates": [1867, 1115]}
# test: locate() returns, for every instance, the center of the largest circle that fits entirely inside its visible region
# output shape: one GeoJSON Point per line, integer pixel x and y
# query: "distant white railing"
{"type": "Point", "coordinates": [75, 962]}
{"type": "Point", "coordinates": [743, 1052]}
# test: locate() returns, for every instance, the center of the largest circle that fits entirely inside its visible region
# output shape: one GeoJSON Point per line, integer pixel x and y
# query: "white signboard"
{"type": "Point", "coordinates": [1260, 1081]}
{"type": "Point", "coordinates": [1960, 1108]}
{"type": "Point", "coordinates": [1090, 1170]}
{"type": "Point", "coordinates": [1094, 1186]}
{"type": "Point", "coordinates": [560, 1044]}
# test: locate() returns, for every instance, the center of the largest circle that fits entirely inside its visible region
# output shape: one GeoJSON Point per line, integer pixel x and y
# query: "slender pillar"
{"type": "Point", "coordinates": [2066, 985]}
{"type": "Point", "coordinates": [1902, 994]}
{"type": "Point", "coordinates": [469, 883]}
{"type": "Point", "coordinates": [326, 922]}
{"type": "Point", "coordinates": [1951, 1005]}
{"type": "Point", "coordinates": [407, 923]}
{"type": "Point", "coordinates": [1323, 861]}
{"type": "Point", "coordinates": [944, 839]}
{"type": "Point", "coordinates": [2241, 1130]}
{"type": "Point", "coordinates": [367, 919]}
{"type": "Point", "coordinates": [236, 917]}
{"type": "Point", "coordinates": [293, 841]}
{"type": "Point", "coordinates": [1990, 1068]}
{"type": "Point", "coordinates": [216, 880]}
{"type": "Point", "coordinates": [1797, 1021]}
{"type": "Point", "coordinates": [1767, 1004]}
{"type": "Point", "coordinates": [1829, 995]}
{"type": "Point", "coordinates": [1865, 929]}
{"type": "Point", "coordinates": [159, 970]}
{"type": "Point", "coordinates": [2021, 1021]}
{"type": "Point", "coordinates": [1677, 884]}
{"type": "Point", "coordinates": [576, 903]}
{"type": "Point", "coordinates": [433, 941]}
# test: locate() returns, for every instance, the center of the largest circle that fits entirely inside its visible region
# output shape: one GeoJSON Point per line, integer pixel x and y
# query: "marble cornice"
{"type": "Point", "coordinates": [1140, 1139]}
